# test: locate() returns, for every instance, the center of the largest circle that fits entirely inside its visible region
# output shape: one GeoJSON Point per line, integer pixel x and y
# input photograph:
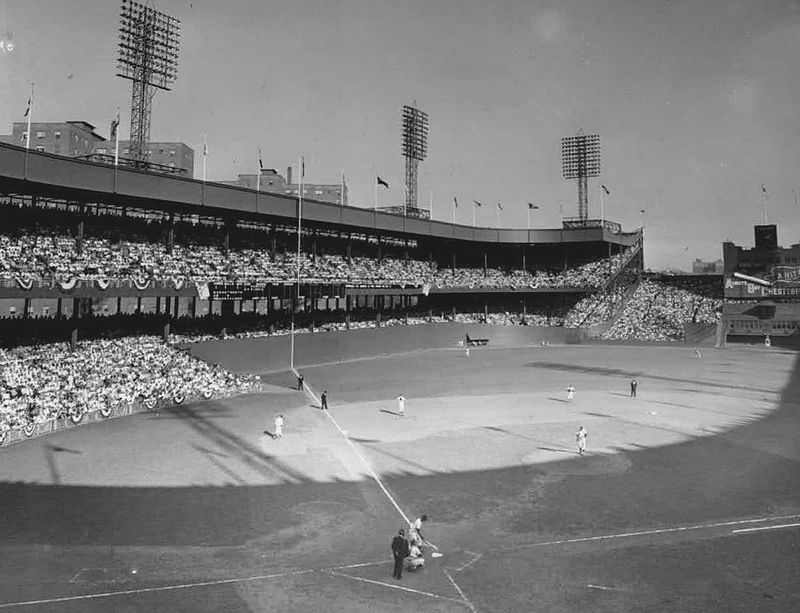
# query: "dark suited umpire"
{"type": "Point", "coordinates": [400, 551]}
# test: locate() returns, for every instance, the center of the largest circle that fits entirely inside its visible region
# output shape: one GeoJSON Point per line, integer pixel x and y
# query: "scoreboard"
{"type": "Point", "coordinates": [255, 291]}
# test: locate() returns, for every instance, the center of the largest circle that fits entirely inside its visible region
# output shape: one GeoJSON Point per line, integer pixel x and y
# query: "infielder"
{"type": "Point", "coordinates": [580, 436]}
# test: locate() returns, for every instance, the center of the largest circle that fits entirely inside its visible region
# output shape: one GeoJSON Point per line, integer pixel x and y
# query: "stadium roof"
{"type": "Point", "coordinates": [36, 173]}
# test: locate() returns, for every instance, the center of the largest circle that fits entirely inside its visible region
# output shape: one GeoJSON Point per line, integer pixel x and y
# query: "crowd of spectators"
{"type": "Point", "coordinates": [509, 319]}
{"type": "Point", "coordinates": [595, 308]}
{"type": "Point", "coordinates": [49, 256]}
{"type": "Point", "coordinates": [590, 275]}
{"type": "Point", "coordinates": [657, 312]}
{"type": "Point", "coordinates": [44, 382]}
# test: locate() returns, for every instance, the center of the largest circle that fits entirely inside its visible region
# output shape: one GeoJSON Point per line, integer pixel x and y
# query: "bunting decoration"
{"type": "Point", "coordinates": [24, 282]}
{"type": "Point", "coordinates": [68, 285]}
{"type": "Point", "coordinates": [141, 284]}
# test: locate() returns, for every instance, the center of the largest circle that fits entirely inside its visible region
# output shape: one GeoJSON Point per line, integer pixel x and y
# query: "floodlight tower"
{"type": "Point", "coordinates": [415, 149]}
{"type": "Point", "coordinates": [580, 159]}
{"type": "Point", "coordinates": [148, 56]}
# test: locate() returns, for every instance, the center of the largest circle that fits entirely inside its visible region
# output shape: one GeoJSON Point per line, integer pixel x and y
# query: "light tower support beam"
{"type": "Point", "coordinates": [148, 57]}
{"type": "Point", "coordinates": [580, 159]}
{"type": "Point", "coordinates": [415, 150]}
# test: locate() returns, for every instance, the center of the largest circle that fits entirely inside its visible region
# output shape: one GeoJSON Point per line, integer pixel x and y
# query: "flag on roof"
{"type": "Point", "coordinates": [605, 189]}
{"type": "Point", "coordinates": [531, 205]}
{"type": "Point", "coordinates": [382, 182]}
{"type": "Point", "coordinates": [477, 203]}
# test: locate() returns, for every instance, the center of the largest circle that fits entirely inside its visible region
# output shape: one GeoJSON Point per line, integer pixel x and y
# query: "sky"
{"type": "Point", "coordinates": [697, 102]}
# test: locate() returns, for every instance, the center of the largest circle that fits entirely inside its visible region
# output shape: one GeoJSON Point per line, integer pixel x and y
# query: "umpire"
{"type": "Point", "coordinates": [400, 551]}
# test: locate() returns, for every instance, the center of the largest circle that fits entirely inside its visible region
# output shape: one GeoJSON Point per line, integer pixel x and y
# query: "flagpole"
{"type": "Point", "coordinates": [28, 135]}
{"type": "Point", "coordinates": [455, 206]}
{"type": "Point", "coordinates": [301, 172]}
{"type": "Point", "coordinates": [602, 210]}
{"type": "Point", "coordinates": [205, 156]}
{"type": "Point", "coordinates": [341, 189]}
{"type": "Point", "coordinates": [764, 203]}
{"type": "Point", "coordinates": [430, 206]}
{"type": "Point", "coordinates": [30, 114]}
{"type": "Point", "coordinates": [529, 217]}
{"type": "Point", "coordinates": [258, 172]}
{"type": "Point", "coordinates": [375, 201]}
{"type": "Point", "coordinates": [474, 211]}
{"type": "Point", "coordinates": [116, 142]}
{"type": "Point", "coordinates": [116, 152]}
{"type": "Point", "coordinates": [497, 216]}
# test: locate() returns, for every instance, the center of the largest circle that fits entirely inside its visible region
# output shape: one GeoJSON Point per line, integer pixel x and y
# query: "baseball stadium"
{"type": "Point", "coordinates": [161, 324]}
{"type": "Point", "coordinates": [271, 395]}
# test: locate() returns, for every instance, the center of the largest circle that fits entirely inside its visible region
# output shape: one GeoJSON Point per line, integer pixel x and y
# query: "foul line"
{"type": "Point", "coordinates": [764, 528]}
{"type": "Point", "coordinates": [162, 588]}
{"type": "Point", "coordinates": [464, 598]}
{"type": "Point", "coordinates": [307, 388]}
{"type": "Point", "coordinates": [465, 601]}
{"type": "Point", "coordinates": [475, 558]}
{"type": "Point", "coordinates": [394, 587]}
{"type": "Point", "coordinates": [603, 537]}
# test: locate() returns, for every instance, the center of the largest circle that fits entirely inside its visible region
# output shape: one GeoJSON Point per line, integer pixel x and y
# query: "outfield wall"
{"type": "Point", "coordinates": [272, 353]}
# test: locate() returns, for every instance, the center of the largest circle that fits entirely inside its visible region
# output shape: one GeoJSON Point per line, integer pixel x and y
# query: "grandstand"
{"type": "Point", "coordinates": [84, 240]}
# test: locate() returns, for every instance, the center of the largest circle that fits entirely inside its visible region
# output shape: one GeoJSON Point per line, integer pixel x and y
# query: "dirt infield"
{"type": "Point", "coordinates": [687, 500]}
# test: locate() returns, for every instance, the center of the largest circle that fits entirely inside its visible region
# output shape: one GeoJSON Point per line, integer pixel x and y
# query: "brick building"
{"type": "Point", "coordinates": [178, 156]}
{"type": "Point", "coordinates": [273, 182]}
{"type": "Point", "coordinates": [79, 139]}
{"type": "Point", "coordinates": [69, 138]}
